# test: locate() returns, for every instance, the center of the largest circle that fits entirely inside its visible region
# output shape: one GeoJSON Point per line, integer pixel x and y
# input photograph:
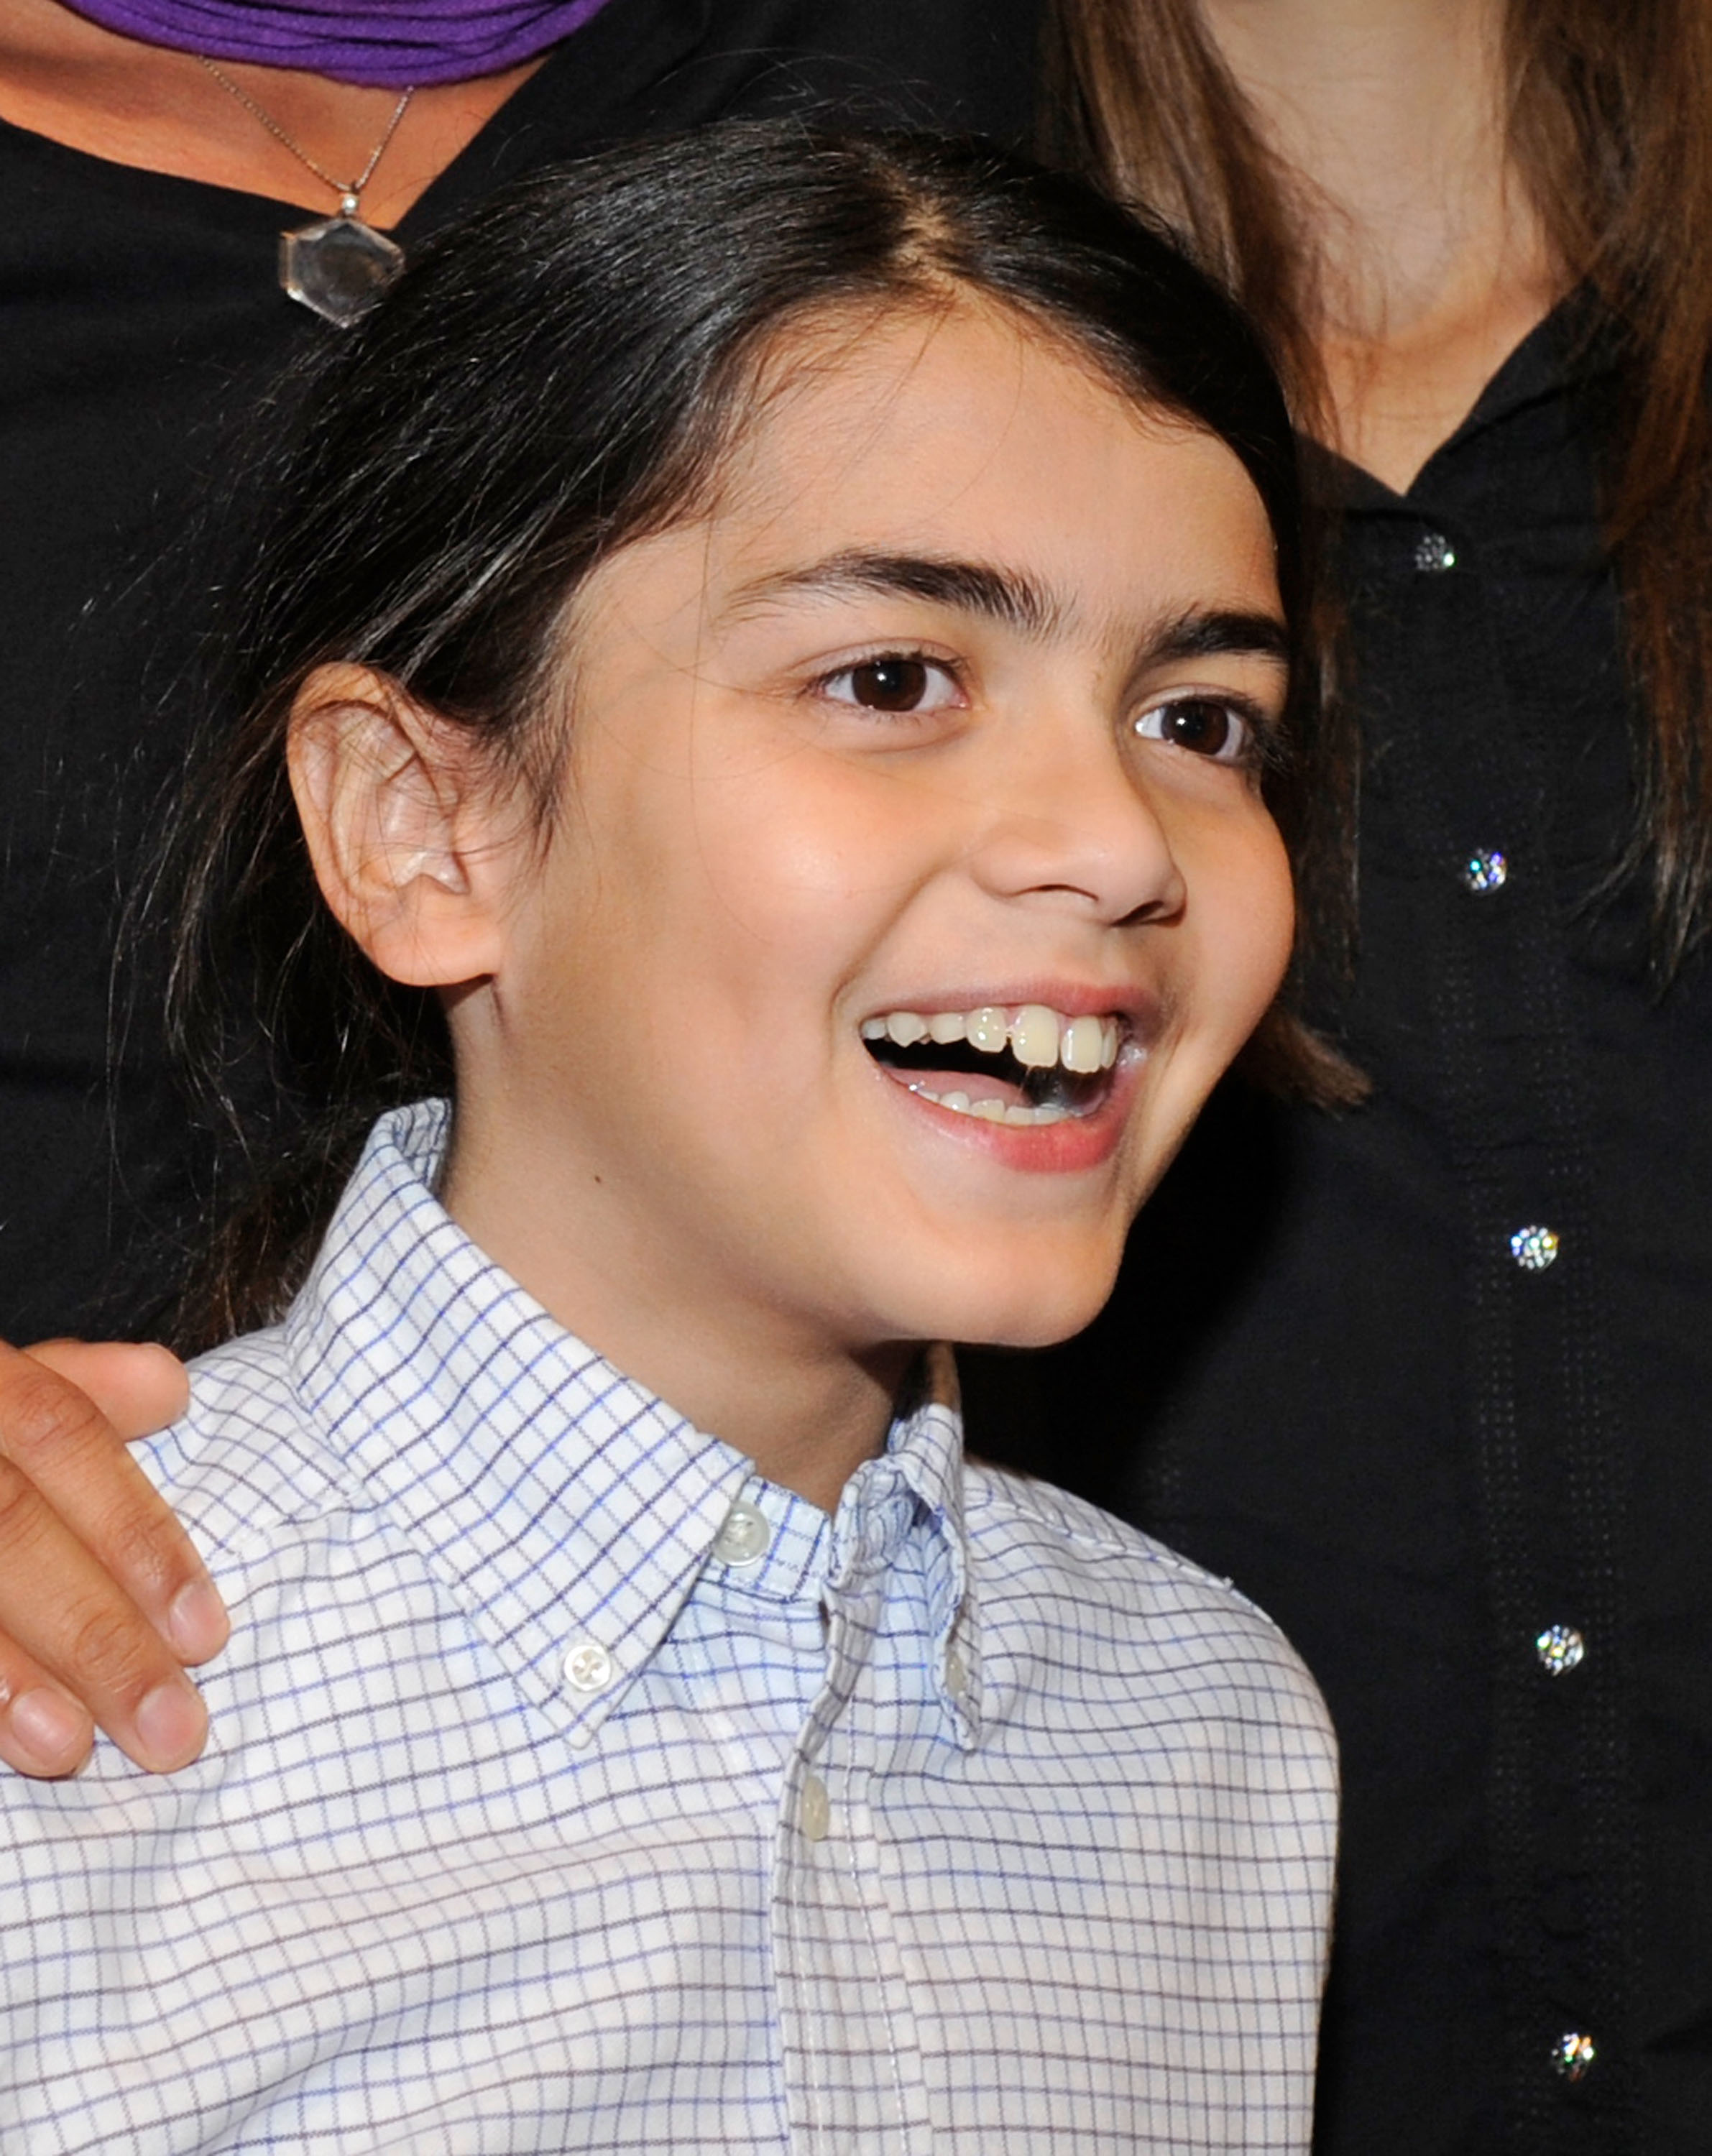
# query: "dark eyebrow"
{"type": "Point", "coordinates": [1017, 601]}
{"type": "Point", "coordinates": [1219, 632]}
{"type": "Point", "coordinates": [978, 588]}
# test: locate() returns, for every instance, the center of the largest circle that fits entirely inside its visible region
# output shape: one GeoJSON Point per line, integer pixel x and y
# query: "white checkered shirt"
{"type": "Point", "coordinates": [572, 1787]}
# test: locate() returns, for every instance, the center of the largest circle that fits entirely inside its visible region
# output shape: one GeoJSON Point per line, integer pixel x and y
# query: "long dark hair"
{"type": "Point", "coordinates": [555, 379]}
{"type": "Point", "coordinates": [1607, 112]}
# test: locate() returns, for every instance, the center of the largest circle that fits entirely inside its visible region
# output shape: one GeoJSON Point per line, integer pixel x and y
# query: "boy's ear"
{"type": "Point", "coordinates": [400, 817]}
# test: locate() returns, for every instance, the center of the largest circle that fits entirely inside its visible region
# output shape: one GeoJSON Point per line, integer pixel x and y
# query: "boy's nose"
{"type": "Point", "coordinates": [1076, 827]}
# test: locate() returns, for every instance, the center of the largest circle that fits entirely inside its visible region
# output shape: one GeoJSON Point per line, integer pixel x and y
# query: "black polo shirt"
{"type": "Point", "coordinates": [139, 315]}
{"type": "Point", "coordinates": [1433, 1380]}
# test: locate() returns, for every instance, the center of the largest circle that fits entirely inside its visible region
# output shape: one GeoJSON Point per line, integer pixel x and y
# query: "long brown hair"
{"type": "Point", "coordinates": [1610, 126]}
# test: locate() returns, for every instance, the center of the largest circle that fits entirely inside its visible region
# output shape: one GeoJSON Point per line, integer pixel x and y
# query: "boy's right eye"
{"type": "Point", "coordinates": [901, 681]}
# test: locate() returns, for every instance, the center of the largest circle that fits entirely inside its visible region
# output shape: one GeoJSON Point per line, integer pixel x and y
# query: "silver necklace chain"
{"type": "Point", "coordinates": [350, 192]}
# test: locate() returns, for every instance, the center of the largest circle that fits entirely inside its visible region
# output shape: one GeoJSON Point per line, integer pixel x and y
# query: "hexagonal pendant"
{"type": "Point", "coordinates": [339, 267]}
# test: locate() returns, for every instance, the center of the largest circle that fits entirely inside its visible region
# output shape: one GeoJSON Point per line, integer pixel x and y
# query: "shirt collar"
{"type": "Point", "coordinates": [568, 1510]}
{"type": "Point", "coordinates": [1572, 352]}
{"type": "Point", "coordinates": [927, 1447]}
{"type": "Point", "coordinates": [919, 1477]}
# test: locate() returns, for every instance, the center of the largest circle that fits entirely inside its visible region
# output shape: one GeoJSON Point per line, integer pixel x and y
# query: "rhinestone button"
{"type": "Point", "coordinates": [1434, 552]}
{"type": "Point", "coordinates": [956, 1673]}
{"type": "Point", "coordinates": [815, 1814]}
{"type": "Point", "coordinates": [1533, 1248]}
{"type": "Point", "coordinates": [1572, 2055]}
{"type": "Point", "coordinates": [588, 1666]}
{"type": "Point", "coordinates": [1485, 870]}
{"type": "Point", "coordinates": [1560, 1649]}
{"type": "Point", "coordinates": [744, 1537]}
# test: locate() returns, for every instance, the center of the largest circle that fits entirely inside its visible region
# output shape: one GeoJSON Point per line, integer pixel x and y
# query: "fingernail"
{"type": "Point", "coordinates": [48, 1724]}
{"type": "Point", "coordinates": [171, 1725]}
{"type": "Point", "coordinates": [196, 1622]}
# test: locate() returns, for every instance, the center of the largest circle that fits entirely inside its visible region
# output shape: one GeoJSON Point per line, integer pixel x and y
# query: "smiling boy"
{"type": "Point", "coordinates": [747, 1772]}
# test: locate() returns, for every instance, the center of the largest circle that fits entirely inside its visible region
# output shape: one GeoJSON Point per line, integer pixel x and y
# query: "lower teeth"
{"type": "Point", "coordinates": [994, 1111]}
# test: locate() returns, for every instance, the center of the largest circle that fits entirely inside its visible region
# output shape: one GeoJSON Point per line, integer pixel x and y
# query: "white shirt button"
{"type": "Point", "coordinates": [1486, 868]}
{"type": "Point", "coordinates": [956, 1673]}
{"type": "Point", "coordinates": [588, 1666]}
{"type": "Point", "coordinates": [744, 1537]}
{"type": "Point", "coordinates": [1560, 1649]}
{"type": "Point", "coordinates": [1533, 1248]}
{"type": "Point", "coordinates": [815, 1813]}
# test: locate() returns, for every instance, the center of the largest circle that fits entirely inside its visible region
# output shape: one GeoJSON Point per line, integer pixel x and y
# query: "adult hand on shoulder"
{"type": "Point", "coordinates": [102, 1599]}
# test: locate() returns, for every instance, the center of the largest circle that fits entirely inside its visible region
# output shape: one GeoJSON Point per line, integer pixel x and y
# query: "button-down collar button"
{"type": "Point", "coordinates": [1560, 1648]}
{"type": "Point", "coordinates": [1485, 870]}
{"type": "Point", "coordinates": [956, 1673]}
{"type": "Point", "coordinates": [744, 1537]}
{"type": "Point", "coordinates": [814, 1813]}
{"type": "Point", "coordinates": [1434, 552]}
{"type": "Point", "coordinates": [588, 1666]}
{"type": "Point", "coordinates": [1572, 2053]}
{"type": "Point", "coordinates": [1533, 1248]}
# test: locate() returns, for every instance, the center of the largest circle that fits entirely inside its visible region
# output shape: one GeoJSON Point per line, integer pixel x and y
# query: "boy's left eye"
{"type": "Point", "coordinates": [1215, 727]}
{"type": "Point", "coordinates": [894, 681]}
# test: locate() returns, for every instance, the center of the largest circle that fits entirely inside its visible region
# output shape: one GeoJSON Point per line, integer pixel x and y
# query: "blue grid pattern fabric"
{"type": "Point", "coordinates": [573, 1789]}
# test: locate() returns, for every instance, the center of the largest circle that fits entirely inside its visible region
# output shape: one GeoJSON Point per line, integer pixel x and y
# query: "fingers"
{"type": "Point", "coordinates": [139, 1389]}
{"type": "Point", "coordinates": [101, 1596]}
{"type": "Point", "coordinates": [42, 1729]}
{"type": "Point", "coordinates": [71, 1641]}
{"type": "Point", "coordinates": [65, 1439]}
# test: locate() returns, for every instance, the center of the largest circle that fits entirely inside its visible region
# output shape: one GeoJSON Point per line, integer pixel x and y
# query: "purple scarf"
{"type": "Point", "coordinates": [389, 43]}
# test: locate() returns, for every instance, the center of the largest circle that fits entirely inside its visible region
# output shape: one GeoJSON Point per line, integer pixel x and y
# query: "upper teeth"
{"type": "Point", "coordinates": [1036, 1035]}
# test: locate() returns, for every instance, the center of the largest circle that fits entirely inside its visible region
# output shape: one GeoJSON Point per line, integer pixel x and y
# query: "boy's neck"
{"type": "Point", "coordinates": [808, 1416]}
{"type": "Point", "coordinates": [1431, 263]}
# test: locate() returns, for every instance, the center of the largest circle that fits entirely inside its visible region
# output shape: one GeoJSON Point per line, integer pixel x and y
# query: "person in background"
{"type": "Point", "coordinates": [151, 154]}
{"type": "Point", "coordinates": [1429, 1377]}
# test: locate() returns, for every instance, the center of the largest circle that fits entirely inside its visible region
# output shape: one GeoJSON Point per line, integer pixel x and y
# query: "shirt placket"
{"type": "Point", "coordinates": [854, 2082]}
{"type": "Point", "coordinates": [1497, 997]}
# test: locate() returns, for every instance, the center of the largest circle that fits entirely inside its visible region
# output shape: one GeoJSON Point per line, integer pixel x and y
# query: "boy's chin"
{"type": "Point", "coordinates": [1028, 1313]}
{"type": "Point", "coordinates": [1048, 1332]}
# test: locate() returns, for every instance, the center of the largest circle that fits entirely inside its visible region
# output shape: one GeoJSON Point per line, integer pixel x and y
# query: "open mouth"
{"type": "Point", "coordinates": [1029, 1064]}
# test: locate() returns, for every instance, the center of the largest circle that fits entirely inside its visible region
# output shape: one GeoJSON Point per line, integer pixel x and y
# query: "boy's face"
{"type": "Point", "coordinates": [911, 776]}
